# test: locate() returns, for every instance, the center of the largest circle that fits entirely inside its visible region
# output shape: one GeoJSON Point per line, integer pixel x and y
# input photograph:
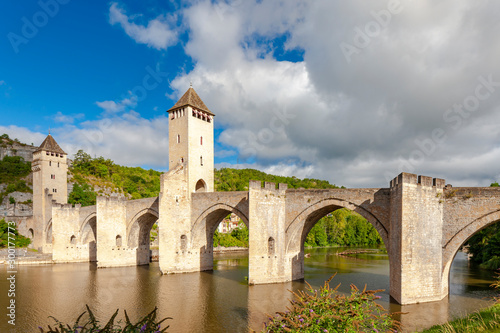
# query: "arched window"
{"type": "Point", "coordinates": [178, 138]}
{"type": "Point", "coordinates": [72, 240]}
{"type": "Point", "coordinates": [200, 186]}
{"type": "Point", "coordinates": [118, 240]}
{"type": "Point", "coordinates": [270, 246]}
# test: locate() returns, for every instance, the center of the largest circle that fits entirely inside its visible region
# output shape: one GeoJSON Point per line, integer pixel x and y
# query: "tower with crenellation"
{"type": "Point", "coordinates": [191, 141]}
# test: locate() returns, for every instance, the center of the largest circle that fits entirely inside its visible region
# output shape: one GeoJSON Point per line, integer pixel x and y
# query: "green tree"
{"type": "Point", "coordinates": [82, 194]}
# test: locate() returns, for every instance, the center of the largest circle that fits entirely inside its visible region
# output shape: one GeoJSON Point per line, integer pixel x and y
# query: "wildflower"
{"type": "Point", "coordinates": [301, 320]}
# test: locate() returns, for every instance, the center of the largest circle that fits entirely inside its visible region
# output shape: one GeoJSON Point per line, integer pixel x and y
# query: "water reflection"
{"type": "Point", "coordinates": [220, 301]}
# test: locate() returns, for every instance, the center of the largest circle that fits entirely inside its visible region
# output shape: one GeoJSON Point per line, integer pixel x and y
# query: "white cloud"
{"type": "Point", "coordinates": [23, 134]}
{"type": "Point", "coordinates": [115, 107]}
{"type": "Point", "coordinates": [128, 140]}
{"type": "Point", "coordinates": [355, 123]}
{"type": "Point", "coordinates": [157, 33]}
{"type": "Point", "coordinates": [67, 119]}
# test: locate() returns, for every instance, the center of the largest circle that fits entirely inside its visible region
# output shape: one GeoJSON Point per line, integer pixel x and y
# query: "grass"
{"type": "Point", "coordinates": [486, 320]}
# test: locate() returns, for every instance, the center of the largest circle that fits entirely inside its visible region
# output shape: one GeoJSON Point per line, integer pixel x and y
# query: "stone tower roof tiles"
{"type": "Point", "coordinates": [191, 98]}
{"type": "Point", "coordinates": [49, 144]}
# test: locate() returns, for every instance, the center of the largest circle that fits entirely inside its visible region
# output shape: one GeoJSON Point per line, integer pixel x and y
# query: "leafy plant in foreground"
{"type": "Point", "coordinates": [148, 324]}
{"type": "Point", "coordinates": [328, 311]}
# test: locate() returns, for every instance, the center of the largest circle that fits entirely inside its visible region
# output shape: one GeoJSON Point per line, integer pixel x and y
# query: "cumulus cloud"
{"type": "Point", "coordinates": [120, 106]}
{"type": "Point", "coordinates": [406, 100]}
{"type": "Point", "coordinates": [156, 34]}
{"type": "Point", "coordinates": [67, 119]}
{"type": "Point", "coordinates": [128, 139]}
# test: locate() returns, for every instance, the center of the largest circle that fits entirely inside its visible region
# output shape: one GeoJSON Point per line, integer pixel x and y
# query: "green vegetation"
{"type": "Point", "coordinates": [82, 194]}
{"type": "Point", "coordinates": [136, 182]}
{"type": "Point", "coordinates": [326, 310]}
{"type": "Point", "coordinates": [13, 168]}
{"type": "Point", "coordinates": [147, 324]}
{"type": "Point", "coordinates": [342, 228]}
{"type": "Point", "coordinates": [227, 179]}
{"type": "Point", "coordinates": [19, 240]}
{"type": "Point", "coordinates": [238, 237]}
{"type": "Point", "coordinates": [484, 246]}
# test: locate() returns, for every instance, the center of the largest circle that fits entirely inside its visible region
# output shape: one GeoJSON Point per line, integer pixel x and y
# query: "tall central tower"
{"type": "Point", "coordinates": [191, 141]}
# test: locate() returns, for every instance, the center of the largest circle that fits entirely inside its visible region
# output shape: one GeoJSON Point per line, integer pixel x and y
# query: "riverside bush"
{"type": "Point", "coordinates": [328, 311]}
{"type": "Point", "coordinates": [147, 324]}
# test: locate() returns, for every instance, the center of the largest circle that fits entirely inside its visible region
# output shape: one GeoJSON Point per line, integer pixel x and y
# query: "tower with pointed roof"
{"type": "Point", "coordinates": [191, 141]}
{"type": "Point", "coordinates": [50, 182]}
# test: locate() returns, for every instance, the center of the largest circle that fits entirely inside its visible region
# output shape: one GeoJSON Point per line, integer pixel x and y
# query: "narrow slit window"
{"type": "Point", "coordinates": [201, 160]}
{"type": "Point", "coordinates": [178, 138]}
{"type": "Point", "coordinates": [201, 140]}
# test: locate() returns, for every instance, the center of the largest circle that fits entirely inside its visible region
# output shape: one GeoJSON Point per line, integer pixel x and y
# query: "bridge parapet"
{"type": "Point", "coordinates": [424, 181]}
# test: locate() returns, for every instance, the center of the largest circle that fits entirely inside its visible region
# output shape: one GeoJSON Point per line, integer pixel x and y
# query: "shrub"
{"type": "Point", "coordinates": [5, 229]}
{"type": "Point", "coordinates": [147, 324]}
{"type": "Point", "coordinates": [12, 200]}
{"type": "Point", "coordinates": [328, 311]}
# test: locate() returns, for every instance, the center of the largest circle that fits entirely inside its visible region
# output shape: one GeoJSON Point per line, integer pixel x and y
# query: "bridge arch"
{"type": "Point", "coordinates": [88, 229]}
{"type": "Point", "coordinates": [452, 246]}
{"type": "Point", "coordinates": [300, 226]}
{"type": "Point", "coordinates": [202, 231]}
{"type": "Point", "coordinates": [138, 229]}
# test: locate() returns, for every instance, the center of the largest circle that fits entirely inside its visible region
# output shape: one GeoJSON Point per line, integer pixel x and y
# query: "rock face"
{"type": "Point", "coordinates": [12, 148]}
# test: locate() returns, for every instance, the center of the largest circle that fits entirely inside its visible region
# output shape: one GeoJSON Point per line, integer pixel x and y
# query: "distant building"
{"type": "Point", "coordinates": [229, 224]}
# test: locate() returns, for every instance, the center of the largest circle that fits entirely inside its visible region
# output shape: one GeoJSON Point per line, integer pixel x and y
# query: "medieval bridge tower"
{"type": "Point", "coordinates": [50, 183]}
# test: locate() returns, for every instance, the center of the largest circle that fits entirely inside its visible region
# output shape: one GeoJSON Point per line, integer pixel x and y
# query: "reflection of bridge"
{"type": "Point", "coordinates": [422, 222]}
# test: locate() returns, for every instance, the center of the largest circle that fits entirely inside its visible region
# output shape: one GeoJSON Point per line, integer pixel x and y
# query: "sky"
{"type": "Point", "coordinates": [354, 92]}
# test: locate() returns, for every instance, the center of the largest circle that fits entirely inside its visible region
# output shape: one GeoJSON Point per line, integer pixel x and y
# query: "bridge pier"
{"type": "Point", "coordinates": [176, 253]}
{"type": "Point", "coordinates": [415, 247]}
{"type": "Point", "coordinates": [112, 234]}
{"type": "Point", "coordinates": [267, 234]}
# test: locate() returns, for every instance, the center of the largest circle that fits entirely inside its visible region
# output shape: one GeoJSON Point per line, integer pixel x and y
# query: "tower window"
{"type": "Point", "coordinates": [52, 176]}
{"type": "Point", "coordinates": [50, 163]}
{"type": "Point", "coordinates": [58, 164]}
{"type": "Point", "coordinates": [201, 140]}
{"type": "Point", "coordinates": [178, 138]}
{"type": "Point", "coordinates": [201, 160]}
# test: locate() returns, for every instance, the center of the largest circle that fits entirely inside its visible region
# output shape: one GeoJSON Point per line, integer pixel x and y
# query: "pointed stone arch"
{"type": "Point", "coordinates": [138, 230]}
{"type": "Point", "coordinates": [201, 186]}
{"type": "Point", "coordinates": [300, 226]}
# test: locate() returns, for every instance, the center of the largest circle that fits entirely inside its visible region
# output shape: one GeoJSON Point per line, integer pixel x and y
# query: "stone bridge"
{"type": "Point", "coordinates": [422, 222]}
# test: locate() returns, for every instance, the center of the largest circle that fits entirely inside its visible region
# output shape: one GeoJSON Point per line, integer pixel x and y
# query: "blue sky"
{"type": "Point", "coordinates": [352, 92]}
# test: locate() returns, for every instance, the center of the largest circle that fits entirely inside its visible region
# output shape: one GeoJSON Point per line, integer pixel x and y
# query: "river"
{"type": "Point", "coordinates": [220, 300]}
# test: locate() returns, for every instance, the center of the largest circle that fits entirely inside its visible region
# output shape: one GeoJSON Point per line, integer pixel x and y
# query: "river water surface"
{"type": "Point", "coordinates": [221, 300]}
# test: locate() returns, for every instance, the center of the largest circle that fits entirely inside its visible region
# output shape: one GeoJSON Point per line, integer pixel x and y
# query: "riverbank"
{"type": "Point", "coordinates": [486, 320]}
